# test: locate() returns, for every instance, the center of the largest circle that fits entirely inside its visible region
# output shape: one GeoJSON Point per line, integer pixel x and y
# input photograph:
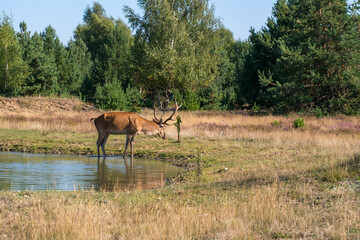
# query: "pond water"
{"type": "Point", "coordinates": [22, 171]}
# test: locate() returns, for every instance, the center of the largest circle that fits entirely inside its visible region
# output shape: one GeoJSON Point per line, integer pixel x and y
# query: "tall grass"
{"type": "Point", "coordinates": [263, 212]}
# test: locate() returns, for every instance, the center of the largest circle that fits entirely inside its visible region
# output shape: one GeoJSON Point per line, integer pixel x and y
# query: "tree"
{"type": "Point", "coordinates": [12, 67]}
{"type": "Point", "coordinates": [54, 48]}
{"type": "Point", "coordinates": [308, 55]}
{"type": "Point", "coordinates": [226, 78]}
{"type": "Point", "coordinates": [221, 93]}
{"type": "Point", "coordinates": [175, 45]}
{"type": "Point", "coordinates": [78, 65]}
{"type": "Point", "coordinates": [246, 88]}
{"type": "Point", "coordinates": [111, 96]}
{"type": "Point", "coordinates": [108, 42]}
{"type": "Point", "coordinates": [43, 72]}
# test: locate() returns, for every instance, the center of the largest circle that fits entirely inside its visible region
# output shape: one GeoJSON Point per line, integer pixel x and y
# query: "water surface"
{"type": "Point", "coordinates": [23, 171]}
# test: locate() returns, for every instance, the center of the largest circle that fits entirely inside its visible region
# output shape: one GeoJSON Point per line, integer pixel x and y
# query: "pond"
{"type": "Point", "coordinates": [23, 171]}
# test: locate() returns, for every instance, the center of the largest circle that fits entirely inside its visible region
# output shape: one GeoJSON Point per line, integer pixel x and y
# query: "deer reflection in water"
{"type": "Point", "coordinates": [132, 179]}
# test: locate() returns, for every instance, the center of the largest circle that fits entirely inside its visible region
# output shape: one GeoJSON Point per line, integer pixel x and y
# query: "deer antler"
{"type": "Point", "coordinates": [175, 110]}
{"type": "Point", "coordinates": [155, 111]}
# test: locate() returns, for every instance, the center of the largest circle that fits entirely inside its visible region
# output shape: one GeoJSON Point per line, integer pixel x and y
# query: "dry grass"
{"type": "Point", "coordinates": [263, 212]}
{"type": "Point", "coordinates": [44, 114]}
{"type": "Point", "coordinates": [257, 181]}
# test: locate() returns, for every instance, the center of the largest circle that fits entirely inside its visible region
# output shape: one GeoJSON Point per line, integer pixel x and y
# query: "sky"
{"type": "Point", "coordinates": [237, 15]}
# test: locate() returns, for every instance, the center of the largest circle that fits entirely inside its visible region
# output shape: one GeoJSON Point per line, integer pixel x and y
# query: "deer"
{"type": "Point", "coordinates": [129, 124]}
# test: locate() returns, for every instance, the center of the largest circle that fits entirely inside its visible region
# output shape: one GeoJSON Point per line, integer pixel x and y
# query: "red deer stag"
{"type": "Point", "coordinates": [129, 124]}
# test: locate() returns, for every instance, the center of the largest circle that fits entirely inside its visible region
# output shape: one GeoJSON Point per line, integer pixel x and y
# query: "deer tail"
{"type": "Point", "coordinates": [91, 119]}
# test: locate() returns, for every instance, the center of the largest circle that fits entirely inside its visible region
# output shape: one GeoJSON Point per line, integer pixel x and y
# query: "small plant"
{"type": "Point", "coordinates": [199, 163]}
{"type": "Point", "coordinates": [199, 166]}
{"type": "Point", "coordinates": [177, 125]}
{"type": "Point", "coordinates": [320, 112]}
{"type": "Point", "coordinates": [299, 123]}
{"type": "Point", "coordinates": [255, 108]}
{"type": "Point", "coordinates": [77, 108]}
{"type": "Point", "coordinates": [276, 123]}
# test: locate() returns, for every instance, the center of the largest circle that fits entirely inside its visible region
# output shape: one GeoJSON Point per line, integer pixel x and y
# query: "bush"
{"type": "Point", "coordinates": [191, 101]}
{"type": "Point", "coordinates": [299, 123]}
{"type": "Point", "coordinates": [111, 96]}
{"type": "Point", "coordinates": [276, 123]}
{"type": "Point", "coordinates": [211, 98]}
{"type": "Point", "coordinates": [134, 99]}
{"type": "Point", "coordinates": [320, 112]}
{"type": "Point", "coordinates": [256, 108]}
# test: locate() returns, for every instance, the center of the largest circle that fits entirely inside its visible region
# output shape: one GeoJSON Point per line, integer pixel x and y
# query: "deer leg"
{"type": "Point", "coordinates": [103, 144]}
{"type": "Point", "coordinates": [98, 143]}
{"type": "Point", "coordinates": [126, 144]}
{"type": "Point", "coordinates": [131, 146]}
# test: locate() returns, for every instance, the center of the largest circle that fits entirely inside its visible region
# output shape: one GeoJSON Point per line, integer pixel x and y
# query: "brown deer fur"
{"type": "Point", "coordinates": [128, 124]}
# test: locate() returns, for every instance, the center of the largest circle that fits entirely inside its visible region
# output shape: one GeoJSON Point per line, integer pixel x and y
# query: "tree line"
{"type": "Point", "coordinates": [305, 59]}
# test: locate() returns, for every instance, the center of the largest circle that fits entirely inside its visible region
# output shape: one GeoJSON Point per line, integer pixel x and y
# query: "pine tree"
{"type": "Point", "coordinates": [307, 56]}
{"type": "Point", "coordinates": [42, 78]}
{"type": "Point", "coordinates": [77, 68]}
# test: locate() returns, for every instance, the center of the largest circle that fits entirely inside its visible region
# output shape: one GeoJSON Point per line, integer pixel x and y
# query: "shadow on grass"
{"type": "Point", "coordinates": [349, 169]}
{"type": "Point", "coordinates": [344, 170]}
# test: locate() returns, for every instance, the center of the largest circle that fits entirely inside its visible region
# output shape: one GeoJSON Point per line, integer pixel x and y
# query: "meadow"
{"type": "Point", "coordinates": [248, 177]}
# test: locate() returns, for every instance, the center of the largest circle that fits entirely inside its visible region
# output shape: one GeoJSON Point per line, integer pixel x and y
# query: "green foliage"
{"type": "Point", "coordinates": [319, 112]}
{"type": "Point", "coordinates": [280, 235]}
{"type": "Point", "coordinates": [134, 99]}
{"type": "Point", "coordinates": [225, 81]}
{"type": "Point", "coordinates": [111, 96]}
{"type": "Point", "coordinates": [256, 108]}
{"type": "Point", "coordinates": [191, 101]}
{"type": "Point", "coordinates": [39, 52]}
{"type": "Point", "coordinates": [298, 123]}
{"type": "Point", "coordinates": [174, 45]}
{"type": "Point", "coordinates": [276, 123]}
{"type": "Point", "coordinates": [178, 126]}
{"type": "Point", "coordinates": [307, 56]}
{"type": "Point", "coordinates": [211, 97]}
{"type": "Point", "coordinates": [305, 59]}
{"type": "Point", "coordinates": [77, 68]}
{"type": "Point", "coordinates": [108, 42]}
{"type": "Point", "coordinates": [12, 67]}
{"type": "Point", "coordinates": [229, 98]}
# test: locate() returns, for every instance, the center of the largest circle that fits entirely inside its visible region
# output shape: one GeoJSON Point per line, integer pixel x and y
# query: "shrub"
{"type": "Point", "coordinates": [299, 123]}
{"type": "Point", "coordinates": [111, 96]}
{"type": "Point", "coordinates": [256, 108]}
{"type": "Point", "coordinates": [134, 99]}
{"type": "Point", "coordinates": [276, 123]}
{"type": "Point", "coordinates": [320, 112]}
{"type": "Point", "coordinates": [191, 101]}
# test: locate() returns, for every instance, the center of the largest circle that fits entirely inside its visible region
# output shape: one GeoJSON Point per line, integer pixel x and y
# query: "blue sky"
{"type": "Point", "coordinates": [65, 15]}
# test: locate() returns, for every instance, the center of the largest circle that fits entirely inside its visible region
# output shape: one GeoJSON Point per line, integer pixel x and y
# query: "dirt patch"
{"type": "Point", "coordinates": [41, 104]}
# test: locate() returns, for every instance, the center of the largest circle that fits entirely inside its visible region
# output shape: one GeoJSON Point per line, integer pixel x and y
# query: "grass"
{"type": "Point", "coordinates": [247, 179]}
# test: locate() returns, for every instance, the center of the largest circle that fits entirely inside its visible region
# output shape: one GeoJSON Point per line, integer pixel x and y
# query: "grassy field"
{"type": "Point", "coordinates": [249, 177]}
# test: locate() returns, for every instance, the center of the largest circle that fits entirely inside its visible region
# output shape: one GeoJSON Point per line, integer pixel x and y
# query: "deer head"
{"type": "Point", "coordinates": [164, 123]}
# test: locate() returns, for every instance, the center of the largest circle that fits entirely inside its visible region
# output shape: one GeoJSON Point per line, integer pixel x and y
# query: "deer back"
{"type": "Point", "coordinates": [117, 123]}
{"type": "Point", "coordinates": [125, 123]}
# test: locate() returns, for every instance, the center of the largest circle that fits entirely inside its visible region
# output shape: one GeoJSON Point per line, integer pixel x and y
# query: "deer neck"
{"type": "Point", "coordinates": [149, 127]}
